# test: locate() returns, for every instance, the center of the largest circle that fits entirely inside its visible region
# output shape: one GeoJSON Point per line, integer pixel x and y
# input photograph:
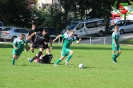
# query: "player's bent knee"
{"type": "Point", "coordinates": [62, 58]}
{"type": "Point", "coordinates": [71, 52]}
{"type": "Point", "coordinates": [120, 51]}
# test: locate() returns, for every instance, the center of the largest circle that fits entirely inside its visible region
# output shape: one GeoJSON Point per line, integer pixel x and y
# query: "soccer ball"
{"type": "Point", "coordinates": [81, 65]}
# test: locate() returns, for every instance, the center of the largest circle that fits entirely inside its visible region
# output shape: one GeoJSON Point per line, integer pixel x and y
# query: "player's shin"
{"type": "Point", "coordinates": [58, 61]}
{"type": "Point", "coordinates": [33, 58]}
{"type": "Point", "coordinates": [68, 57]}
{"type": "Point", "coordinates": [39, 54]}
{"type": "Point", "coordinates": [13, 61]}
{"type": "Point", "coordinates": [113, 57]}
{"type": "Point", "coordinates": [117, 55]}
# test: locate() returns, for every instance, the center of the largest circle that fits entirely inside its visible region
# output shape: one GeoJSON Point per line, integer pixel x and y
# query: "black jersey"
{"type": "Point", "coordinates": [33, 37]}
{"type": "Point", "coordinates": [40, 39]}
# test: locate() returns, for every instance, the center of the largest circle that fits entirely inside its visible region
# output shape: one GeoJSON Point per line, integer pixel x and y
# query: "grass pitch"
{"type": "Point", "coordinates": [99, 71]}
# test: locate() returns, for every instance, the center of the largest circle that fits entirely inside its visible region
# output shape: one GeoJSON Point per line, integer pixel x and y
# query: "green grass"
{"type": "Point", "coordinates": [99, 71]}
{"type": "Point", "coordinates": [128, 41]}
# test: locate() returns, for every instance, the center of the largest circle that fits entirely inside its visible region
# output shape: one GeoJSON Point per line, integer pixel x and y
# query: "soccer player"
{"type": "Point", "coordinates": [115, 44]}
{"type": "Point", "coordinates": [67, 31]}
{"type": "Point", "coordinates": [32, 39]}
{"type": "Point", "coordinates": [18, 47]}
{"type": "Point", "coordinates": [41, 41]}
{"type": "Point", "coordinates": [68, 39]}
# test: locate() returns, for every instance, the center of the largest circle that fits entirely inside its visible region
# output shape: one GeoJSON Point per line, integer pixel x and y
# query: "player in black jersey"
{"type": "Point", "coordinates": [31, 31]}
{"type": "Point", "coordinates": [41, 41]}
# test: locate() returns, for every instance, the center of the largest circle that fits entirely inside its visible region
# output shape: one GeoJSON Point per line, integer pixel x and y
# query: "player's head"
{"type": "Point", "coordinates": [33, 26]}
{"type": "Point", "coordinates": [116, 28]}
{"type": "Point", "coordinates": [67, 30]}
{"type": "Point", "coordinates": [21, 36]}
{"type": "Point", "coordinates": [71, 33]}
{"type": "Point", "coordinates": [44, 32]}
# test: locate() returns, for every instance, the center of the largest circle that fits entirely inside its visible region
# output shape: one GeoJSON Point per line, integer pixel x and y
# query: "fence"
{"type": "Point", "coordinates": [90, 40]}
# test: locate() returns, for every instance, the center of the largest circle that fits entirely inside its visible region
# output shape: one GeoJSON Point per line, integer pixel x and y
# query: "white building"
{"type": "Point", "coordinates": [45, 3]}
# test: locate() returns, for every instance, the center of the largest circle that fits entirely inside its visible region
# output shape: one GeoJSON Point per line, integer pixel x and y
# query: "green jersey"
{"type": "Point", "coordinates": [67, 40]}
{"type": "Point", "coordinates": [19, 44]}
{"type": "Point", "coordinates": [116, 37]}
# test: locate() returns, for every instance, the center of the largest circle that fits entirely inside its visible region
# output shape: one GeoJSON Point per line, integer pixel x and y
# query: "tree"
{"type": "Point", "coordinates": [15, 12]}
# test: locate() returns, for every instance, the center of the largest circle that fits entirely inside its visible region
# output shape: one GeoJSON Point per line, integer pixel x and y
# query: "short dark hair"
{"type": "Point", "coordinates": [45, 30]}
{"type": "Point", "coordinates": [22, 35]}
{"type": "Point", "coordinates": [116, 26]}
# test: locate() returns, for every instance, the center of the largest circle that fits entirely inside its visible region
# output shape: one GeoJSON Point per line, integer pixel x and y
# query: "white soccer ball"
{"type": "Point", "coordinates": [81, 65]}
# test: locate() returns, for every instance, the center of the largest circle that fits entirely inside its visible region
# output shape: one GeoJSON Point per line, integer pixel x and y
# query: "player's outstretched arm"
{"type": "Point", "coordinates": [30, 36]}
{"type": "Point", "coordinates": [78, 41]}
{"type": "Point", "coordinates": [57, 38]}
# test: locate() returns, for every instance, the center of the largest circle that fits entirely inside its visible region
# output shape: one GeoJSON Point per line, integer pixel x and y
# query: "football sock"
{"type": "Point", "coordinates": [113, 57]}
{"type": "Point", "coordinates": [34, 58]}
{"type": "Point", "coordinates": [68, 57]}
{"type": "Point", "coordinates": [39, 54]}
{"type": "Point", "coordinates": [58, 61]}
{"type": "Point", "coordinates": [117, 55]}
{"type": "Point", "coordinates": [13, 61]}
{"type": "Point", "coordinates": [28, 48]}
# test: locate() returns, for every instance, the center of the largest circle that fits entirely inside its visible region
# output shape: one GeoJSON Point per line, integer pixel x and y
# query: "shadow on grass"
{"type": "Point", "coordinates": [84, 47]}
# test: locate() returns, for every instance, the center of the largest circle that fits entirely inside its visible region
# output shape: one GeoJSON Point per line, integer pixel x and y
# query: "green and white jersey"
{"type": "Point", "coordinates": [116, 37]}
{"type": "Point", "coordinates": [67, 40]}
{"type": "Point", "coordinates": [19, 44]}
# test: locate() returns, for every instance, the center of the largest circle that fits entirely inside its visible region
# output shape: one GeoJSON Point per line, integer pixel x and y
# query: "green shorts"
{"type": "Point", "coordinates": [65, 51]}
{"type": "Point", "coordinates": [115, 48]}
{"type": "Point", "coordinates": [16, 52]}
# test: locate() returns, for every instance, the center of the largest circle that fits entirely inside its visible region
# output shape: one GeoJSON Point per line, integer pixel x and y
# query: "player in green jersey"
{"type": "Point", "coordinates": [115, 44]}
{"type": "Point", "coordinates": [18, 48]}
{"type": "Point", "coordinates": [67, 40]}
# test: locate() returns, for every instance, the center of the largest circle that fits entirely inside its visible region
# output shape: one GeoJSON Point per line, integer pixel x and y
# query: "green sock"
{"type": "Point", "coordinates": [69, 57]}
{"type": "Point", "coordinates": [13, 61]}
{"type": "Point", "coordinates": [113, 57]}
{"type": "Point", "coordinates": [58, 61]}
{"type": "Point", "coordinates": [117, 55]}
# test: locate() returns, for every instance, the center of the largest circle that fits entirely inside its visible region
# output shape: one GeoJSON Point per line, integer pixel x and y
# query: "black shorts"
{"type": "Point", "coordinates": [40, 46]}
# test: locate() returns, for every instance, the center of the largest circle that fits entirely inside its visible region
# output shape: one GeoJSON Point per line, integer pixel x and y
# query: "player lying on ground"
{"type": "Point", "coordinates": [67, 40]}
{"type": "Point", "coordinates": [41, 41]}
{"type": "Point", "coordinates": [32, 30]}
{"type": "Point", "coordinates": [18, 47]}
{"type": "Point", "coordinates": [43, 58]}
{"type": "Point", "coordinates": [115, 44]}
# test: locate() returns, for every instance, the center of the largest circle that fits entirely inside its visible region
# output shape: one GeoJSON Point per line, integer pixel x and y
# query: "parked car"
{"type": "Point", "coordinates": [51, 31]}
{"type": "Point", "coordinates": [1, 24]}
{"type": "Point", "coordinates": [124, 26]}
{"type": "Point", "coordinates": [11, 33]}
{"type": "Point", "coordinates": [112, 22]}
{"type": "Point", "coordinates": [90, 27]}
{"type": "Point", "coordinates": [1, 27]}
{"type": "Point", "coordinates": [4, 27]}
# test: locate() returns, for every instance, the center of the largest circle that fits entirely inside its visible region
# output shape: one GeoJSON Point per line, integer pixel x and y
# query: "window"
{"type": "Point", "coordinates": [6, 29]}
{"type": "Point", "coordinates": [72, 25]}
{"type": "Point", "coordinates": [100, 23]}
{"type": "Point", "coordinates": [91, 24]}
{"type": "Point", "coordinates": [120, 23]}
{"type": "Point", "coordinates": [80, 26]}
{"type": "Point", "coordinates": [24, 31]}
{"type": "Point", "coordinates": [131, 22]}
{"type": "Point", "coordinates": [17, 30]}
{"type": "Point", "coordinates": [1, 24]}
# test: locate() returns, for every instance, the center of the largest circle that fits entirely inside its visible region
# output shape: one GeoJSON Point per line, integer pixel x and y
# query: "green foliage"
{"type": "Point", "coordinates": [14, 12]}
{"type": "Point", "coordinates": [49, 18]}
{"type": "Point", "coordinates": [99, 71]}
